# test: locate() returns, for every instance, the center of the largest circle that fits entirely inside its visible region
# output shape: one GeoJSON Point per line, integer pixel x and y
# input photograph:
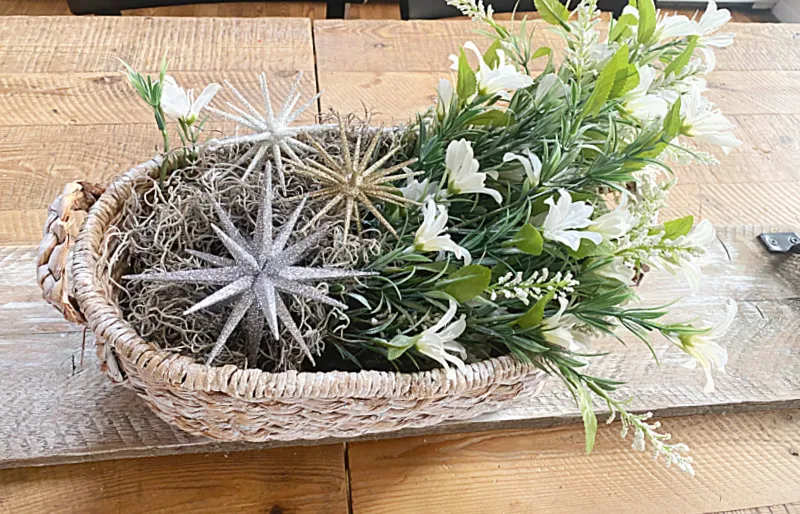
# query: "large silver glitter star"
{"type": "Point", "coordinates": [271, 131]}
{"type": "Point", "coordinates": [260, 268]}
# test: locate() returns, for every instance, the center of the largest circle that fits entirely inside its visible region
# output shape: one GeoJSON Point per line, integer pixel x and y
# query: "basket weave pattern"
{"type": "Point", "coordinates": [232, 404]}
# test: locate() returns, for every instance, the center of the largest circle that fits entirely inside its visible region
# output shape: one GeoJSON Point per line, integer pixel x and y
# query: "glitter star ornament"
{"type": "Point", "coordinates": [355, 180]}
{"type": "Point", "coordinates": [259, 270]}
{"type": "Point", "coordinates": [271, 131]}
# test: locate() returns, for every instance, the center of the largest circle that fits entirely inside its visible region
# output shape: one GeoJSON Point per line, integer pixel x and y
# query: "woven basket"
{"type": "Point", "coordinates": [232, 404]}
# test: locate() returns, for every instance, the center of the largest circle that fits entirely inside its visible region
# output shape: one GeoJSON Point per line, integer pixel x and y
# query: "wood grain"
{"type": "Point", "coordinates": [67, 44]}
{"type": "Point", "coordinates": [383, 45]}
{"type": "Point", "coordinates": [79, 415]}
{"type": "Point", "coordinates": [788, 508]}
{"type": "Point", "coordinates": [295, 480]}
{"type": "Point", "coordinates": [742, 461]}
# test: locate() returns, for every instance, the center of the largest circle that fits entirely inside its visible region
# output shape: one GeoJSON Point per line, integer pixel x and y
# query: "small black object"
{"type": "Point", "coordinates": [781, 242]}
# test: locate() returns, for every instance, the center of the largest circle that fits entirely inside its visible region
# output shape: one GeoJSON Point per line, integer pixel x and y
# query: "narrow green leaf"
{"type": "Point", "coordinates": [590, 249]}
{"type": "Point", "coordinates": [605, 81]}
{"type": "Point", "coordinates": [529, 240]}
{"type": "Point", "coordinates": [647, 20]}
{"type": "Point", "coordinates": [622, 27]}
{"type": "Point", "coordinates": [553, 12]}
{"type": "Point", "coordinates": [672, 121]}
{"type": "Point", "coordinates": [541, 52]}
{"type": "Point", "coordinates": [535, 314]}
{"type": "Point", "coordinates": [682, 59]}
{"type": "Point", "coordinates": [468, 282]}
{"type": "Point", "coordinates": [589, 417]}
{"type": "Point", "coordinates": [490, 57]}
{"type": "Point", "coordinates": [493, 118]}
{"type": "Point", "coordinates": [466, 84]}
{"type": "Point", "coordinates": [679, 227]}
{"type": "Point", "coordinates": [626, 79]}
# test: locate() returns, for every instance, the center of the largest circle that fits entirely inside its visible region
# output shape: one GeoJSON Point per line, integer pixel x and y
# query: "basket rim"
{"type": "Point", "coordinates": [183, 374]}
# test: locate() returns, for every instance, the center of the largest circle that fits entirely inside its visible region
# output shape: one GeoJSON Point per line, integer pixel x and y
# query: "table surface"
{"type": "Point", "coordinates": [67, 113]}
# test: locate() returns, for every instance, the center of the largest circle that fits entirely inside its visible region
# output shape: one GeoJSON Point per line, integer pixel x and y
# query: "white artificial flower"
{"type": "Point", "coordinates": [444, 93]}
{"type": "Point", "coordinates": [615, 224]}
{"type": "Point", "coordinates": [497, 81]}
{"type": "Point", "coordinates": [428, 237]}
{"type": "Point", "coordinates": [462, 171]}
{"type": "Point", "coordinates": [702, 235]}
{"type": "Point", "coordinates": [564, 217]}
{"type": "Point", "coordinates": [667, 26]}
{"type": "Point", "coordinates": [557, 329]}
{"type": "Point", "coordinates": [438, 340]}
{"type": "Point", "coordinates": [711, 20]}
{"type": "Point", "coordinates": [639, 103]}
{"type": "Point", "coordinates": [617, 270]}
{"type": "Point", "coordinates": [530, 163]}
{"type": "Point", "coordinates": [703, 121]}
{"type": "Point", "coordinates": [547, 84]}
{"type": "Point", "coordinates": [178, 103]}
{"type": "Point", "coordinates": [417, 191]}
{"type": "Point", "coordinates": [704, 350]}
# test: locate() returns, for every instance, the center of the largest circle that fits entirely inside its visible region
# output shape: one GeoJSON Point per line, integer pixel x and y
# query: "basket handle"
{"type": "Point", "coordinates": [53, 265]}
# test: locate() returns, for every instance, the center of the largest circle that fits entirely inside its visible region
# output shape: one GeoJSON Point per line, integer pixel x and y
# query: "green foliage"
{"type": "Point", "coordinates": [490, 57]}
{"type": "Point", "coordinates": [534, 316]}
{"type": "Point", "coordinates": [677, 64]}
{"type": "Point", "coordinates": [528, 240]}
{"type": "Point", "coordinates": [553, 12]}
{"type": "Point", "coordinates": [647, 21]}
{"type": "Point", "coordinates": [466, 84]}
{"type": "Point", "coordinates": [679, 227]}
{"type": "Point", "coordinates": [607, 81]}
{"type": "Point", "coordinates": [588, 415]}
{"type": "Point", "coordinates": [468, 282]}
{"type": "Point", "coordinates": [493, 118]}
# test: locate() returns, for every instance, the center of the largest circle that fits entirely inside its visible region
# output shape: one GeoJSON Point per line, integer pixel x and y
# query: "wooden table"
{"type": "Point", "coordinates": [68, 437]}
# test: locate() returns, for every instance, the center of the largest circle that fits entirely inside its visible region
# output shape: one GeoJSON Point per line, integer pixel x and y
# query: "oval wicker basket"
{"type": "Point", "coordinates": [232, 404]}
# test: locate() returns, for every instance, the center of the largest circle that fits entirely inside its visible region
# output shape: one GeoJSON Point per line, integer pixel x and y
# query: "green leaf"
{"type": "Point", "coordinates": [605, 81]}
{"type": "Point", "coordinates": [493, 118]}
{"type": "Point", "coordinates": [622, 27]}
{"type": "Point", "coordinates": [541, 52]}
{"type": "Point", "coordinates": [468, 282]}
{"type": "Point", "coordinates": [589, 417]}
{"type": "Point", "coordinates": [529, 240]}
{"type": "Point", "coordinates": [672, 121]}
{"type": "Point", "coordinates": [590, 249]}
{"type": "Point", "coordinates": [553, 12]}
{"type": "Point", "coordinates": [683, 58]}
{"type": "Point", "coordinates": [679, 227]}
{"type": "Point", "coordinates": [647, 20]}
{"type": "Point", "coordinates": [490, 57]}
{"type": "Point", "coordinates": [626, 79]}
{"type": "Point", "coordinates": [466, 84]}
{"type": "Point", "coordinates": [399, 345]}
{"type": "Point", "coordinates": [535, 314]}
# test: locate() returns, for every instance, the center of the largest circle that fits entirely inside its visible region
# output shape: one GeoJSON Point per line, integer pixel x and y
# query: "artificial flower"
{"type": "Point", "coordinates": [179, 104]}
{"type": "Point", "coordinates": [559, 329]}
{"type": "Point", "coordinates": [436, 341]}
{"type": "Point", "coordinates": [640, 103]}
{"type": "Point", "coordinates": [703, 121]}
{"type": "Point", "coordinates": [445, 94]}
{"type": "Point", "coordinates": [417, 191]}
{"type": "Point", "coordinates": [564, 217]}
{"type": "Point", "coordinates": [497, 80]}
{"type": "Point", "coordinates": [614, 224]}
{"type": "Point", "coordinates": [549, 84]}
{"type": "Point", "coordinates": [530, 163]}
{"type": "Point", "coordinates": [703, 348]}
{"type": "Point", "coordinates": [429, 236]}
{"type": "Point", "coordinates": [462, 171]}
{"type": "Point", "coordinates": [617, 270]}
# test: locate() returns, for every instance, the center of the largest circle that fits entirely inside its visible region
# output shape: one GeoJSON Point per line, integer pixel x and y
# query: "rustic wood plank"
{"type": "Point", "coordinates": [384, 45]}
{"type": "Point", "coordinates": [788, 508]}
{"type": "Point", "coordinates": [106, 98]}
{"type": "Point", "coordinates": [55, 411]}
{"type": "Point", "coordinates": [93, 44]}
{"type": "Point", "coordinates": [742, 460]}
{"type": "Point", "coordinates": [275, 481]}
